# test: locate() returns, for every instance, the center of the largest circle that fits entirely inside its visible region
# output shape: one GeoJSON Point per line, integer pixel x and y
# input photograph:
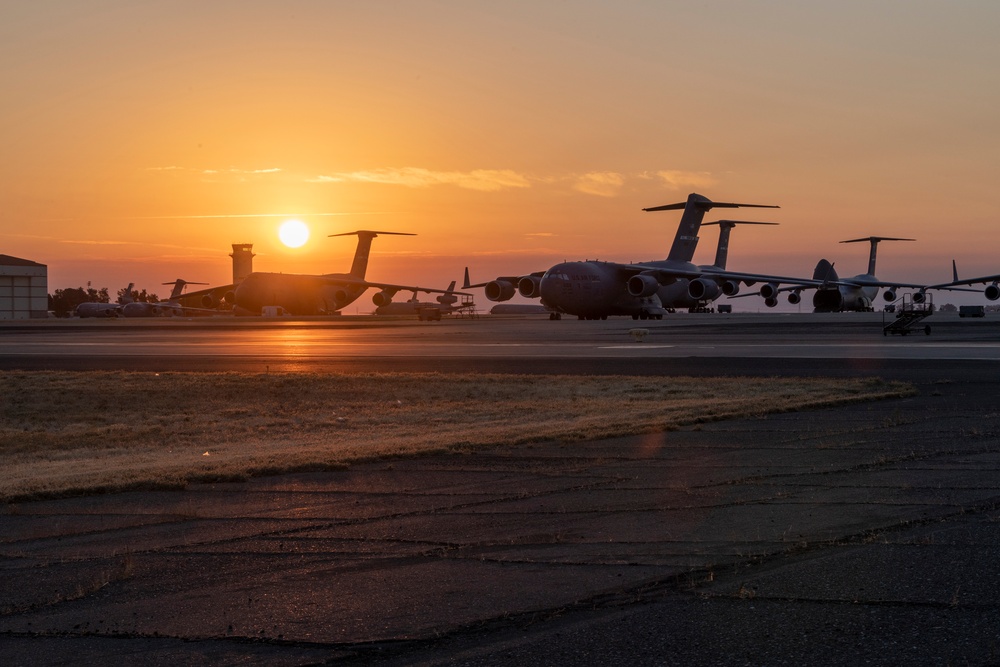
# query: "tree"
{"type": "Point", "coordinates": [136, 295]}
{"type": "Point", "coordinates": [949, 308]}
{"type": "Point", "coordinates": [62, 302]}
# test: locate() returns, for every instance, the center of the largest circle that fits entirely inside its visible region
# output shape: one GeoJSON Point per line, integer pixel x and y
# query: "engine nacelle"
{"type": "Point", "coordinates": [794, 297]}
{"type": "Point", "coordinates": [890, 295]}
{"type": "Point", "coordinates": [992, 292]}
{"type": "Point", "coordinates": [771, 301]}
{"type": "Point", "coordinates": [642, 285]}
{"type": "Point", "coordinates": [500, 290]}
{"type": "Point", "coordinates": [731, 287]}
{"type": "Point", "coordinates": [703, 289]}
{"type": "Point", "coordinates": [383, 298]}
{"type": "Point", "coordinates": [340, 296]}
{"type": "Point", "coordinates": [919, 297]}
{"type": "Point", "coordinates": [230, 297]}
{"type": "Point", "coordinates": [769, 291]}
{"type": "Point", "coordinates": [529, 287]}
{"type": "Point", "coordinates": [207, 301]}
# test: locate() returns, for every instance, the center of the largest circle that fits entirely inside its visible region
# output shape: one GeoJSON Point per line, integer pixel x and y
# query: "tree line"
{"type": "Point", "coordinates": [62, 302]}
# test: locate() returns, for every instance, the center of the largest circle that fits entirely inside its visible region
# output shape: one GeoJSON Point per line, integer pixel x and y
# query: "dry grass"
{"type": "Point", "coordinates": [64, 433]}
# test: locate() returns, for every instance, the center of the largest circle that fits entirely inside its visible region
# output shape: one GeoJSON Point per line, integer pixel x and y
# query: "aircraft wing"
{"type": "Point", "coordinates": [981, 280]}
{"type": "Point", "coordinates": [667, 275]}
{"type": "Point", "coordinates": [388, 287]}
{"type": "Point", "coordinates": [211, 295]}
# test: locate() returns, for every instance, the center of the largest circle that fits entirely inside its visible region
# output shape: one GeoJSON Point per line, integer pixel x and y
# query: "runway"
{"type": "Point", "coordinates": [749, 343]}
{"type": "Point", "coordinates": [860, 534]}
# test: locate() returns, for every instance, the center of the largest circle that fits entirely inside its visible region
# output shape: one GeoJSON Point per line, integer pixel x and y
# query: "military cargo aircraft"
{"type": "Point", "coordinates": [171, 307]}
{"type": "Point", "coordinates": [858, 293]}
{"type": "Point", "coordinates": [444, 304]}
{"type": "Point", "coordinates": [302, 294]}
{"type": "Point", "coordinates": [94, 309]}
{"type": "Point", "coordinates": [596, 290]}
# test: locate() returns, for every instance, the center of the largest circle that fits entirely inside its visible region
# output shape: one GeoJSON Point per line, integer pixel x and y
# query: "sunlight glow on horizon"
{"type": "Point", "coordinates": [125, 145]}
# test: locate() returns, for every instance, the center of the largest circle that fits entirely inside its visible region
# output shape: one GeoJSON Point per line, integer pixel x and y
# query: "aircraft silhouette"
{"type": "Point", "coordinates": [596, 290]}
{"type": "Point", "coordinates": [303, 294]}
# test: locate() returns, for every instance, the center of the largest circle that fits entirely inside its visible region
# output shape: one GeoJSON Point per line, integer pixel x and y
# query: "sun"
{"type": "Point", "coordinates": [293, 233]}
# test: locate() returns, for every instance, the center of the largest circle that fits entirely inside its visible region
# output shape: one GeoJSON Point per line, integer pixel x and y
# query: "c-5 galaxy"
{"type": "Point", "coordinates": [858, 293]}
{"type": "Point", "coordinates": [303, 294]}
{"type": "Point", "coordinates": [596, 290]}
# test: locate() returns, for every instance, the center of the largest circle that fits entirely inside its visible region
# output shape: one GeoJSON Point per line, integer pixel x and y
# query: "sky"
{"type": "Point", "coordinates": [139, 141]}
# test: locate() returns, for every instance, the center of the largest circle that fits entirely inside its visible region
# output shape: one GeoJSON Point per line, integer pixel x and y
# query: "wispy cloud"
{"type": "Point", "coordinates": [488, 180]}
{"type": "Point", "coordinates": [685, 179]}
{"type": "Point", "coordinates": [252, 215]}
{"type": "Point", "coordinates": [600, 183]}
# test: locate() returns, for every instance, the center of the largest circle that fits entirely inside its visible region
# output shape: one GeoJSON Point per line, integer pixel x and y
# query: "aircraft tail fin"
{"type": "Point", "coordinates": [725, 227]}
{"type": "Point", "coordinates": [695, 208]}
{"type": "Point", "coordinates": [126, 296]}
{"type": "Point", "coordinates": [360, 265]}
{"type": "Point", "coordinates": [449, 297]}
{"type": "Point", "coordinates": [874, 240]}
{"type": "Point", "coordinates": [179, 286]}
{"type": "Point", "coordinates": [954, 271]}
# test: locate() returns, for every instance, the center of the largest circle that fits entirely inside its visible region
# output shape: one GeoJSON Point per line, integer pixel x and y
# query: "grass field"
{"type": "Point", "coordinates": [75, 433]}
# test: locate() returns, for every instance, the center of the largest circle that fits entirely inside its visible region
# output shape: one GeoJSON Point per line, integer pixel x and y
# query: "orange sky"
{"type": "Point", "coordinates": [139, 141]}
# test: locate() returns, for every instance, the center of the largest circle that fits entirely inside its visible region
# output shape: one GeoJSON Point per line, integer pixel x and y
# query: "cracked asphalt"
{"type": "Point", "coordinates": [862, 534]}
{"type": "Point", "coordinates": [854, 535]}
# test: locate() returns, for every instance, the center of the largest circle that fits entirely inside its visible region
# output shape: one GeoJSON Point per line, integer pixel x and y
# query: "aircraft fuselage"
{"type": "Point", "coordinates": [296, 294]}
{"type": "Point", "coordinates": [593, 290]}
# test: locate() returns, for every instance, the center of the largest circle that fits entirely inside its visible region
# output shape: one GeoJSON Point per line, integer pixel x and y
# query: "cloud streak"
{"type": "Point", "coordinates": [485, 180]}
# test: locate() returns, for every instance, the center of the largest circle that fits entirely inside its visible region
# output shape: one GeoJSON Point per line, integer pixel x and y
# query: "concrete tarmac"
{"type": "Point", "coordinates": [863, 534]}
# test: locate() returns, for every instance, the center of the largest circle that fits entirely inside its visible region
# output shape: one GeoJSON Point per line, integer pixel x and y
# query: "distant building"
{"type": "Point", "coordinates": [242, 261]}
{"type": "Point", "coordinates": [24, 289]}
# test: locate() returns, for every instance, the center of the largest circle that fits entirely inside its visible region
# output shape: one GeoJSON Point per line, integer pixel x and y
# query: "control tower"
{"type": "Point", "coordinates": [242, 261]}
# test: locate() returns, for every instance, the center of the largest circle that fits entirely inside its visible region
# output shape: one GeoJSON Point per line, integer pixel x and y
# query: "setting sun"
{"type": "Point", "coordinates": [293, 233]}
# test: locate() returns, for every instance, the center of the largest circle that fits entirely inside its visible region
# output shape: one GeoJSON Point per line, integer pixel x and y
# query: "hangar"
{"type": "Point", "coordinates": [24, 289]}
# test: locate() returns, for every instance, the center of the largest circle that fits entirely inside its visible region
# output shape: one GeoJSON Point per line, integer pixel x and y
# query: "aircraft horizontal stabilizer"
{"type": "Point", "coordinates": [373, 233]}
{"type": "Point", "coordinates": [876, 239]}
{"type": "Point", "coordinates": [738, 222]}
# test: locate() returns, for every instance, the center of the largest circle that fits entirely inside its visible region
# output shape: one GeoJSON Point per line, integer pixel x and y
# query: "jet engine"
{"type": "Point", "coordinates": [500, 290]}
{"type": "Point", "coordinates": [771, 302]}
{"type": "Point", "coordinates": [731, 287]}
{"type": "Point", "coordinates": [529, 287]}
{"type": "Point", "coordinates": [703, 289]}
{"type": "Point", "coordinates": [769, 291]}
{"type": "Point", "coordinates": [794, 297]}
{"type": "Point", "coordinates": [992, 292]}
{"type": "Point", "coordinates": [230, 296]}
{"type": "Point", "coordinates": [919, 297]}
{"type": "Point", "coordinates": [642, 285]}
{"type": "Point", "coordinates": [889, 295]}
{"type": "Point", "coordinates": [340, 296]}
{"type": "Point", "coordinates": [383, 298]}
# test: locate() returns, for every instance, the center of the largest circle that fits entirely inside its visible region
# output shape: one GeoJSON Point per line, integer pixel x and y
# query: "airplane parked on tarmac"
{"type": "Point", "coordinates": [93, 309]}
{"type": "Point", "coordinates": [169, 308]}
{"type": "Point", "coordinates": [445, 304]}
{"type": "Point", "coordinates": [595, 290]}
{"type": "Point", "coordinates": [300, 294]}
{"type": "Point", "coordinates": [858, 293]}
